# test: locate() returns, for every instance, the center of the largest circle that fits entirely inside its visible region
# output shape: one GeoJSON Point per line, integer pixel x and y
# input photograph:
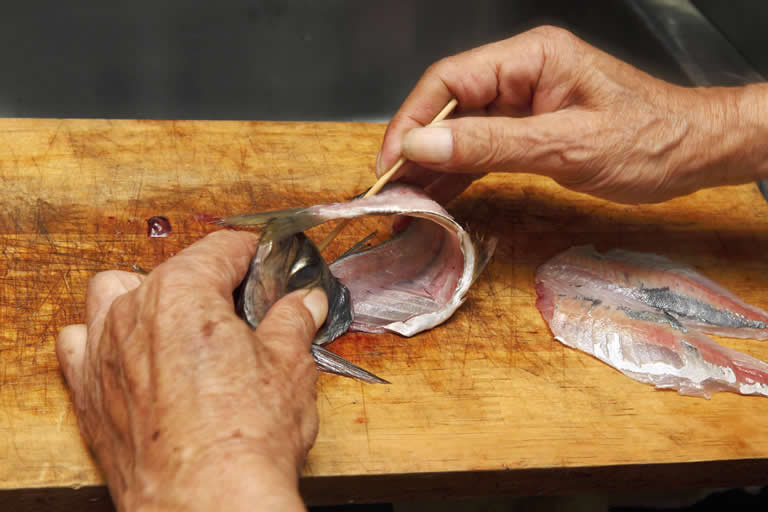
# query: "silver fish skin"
{"type": "Point", "coordinates": [656, 281]}
{"type": "Point", "coordinates": [281, 266]}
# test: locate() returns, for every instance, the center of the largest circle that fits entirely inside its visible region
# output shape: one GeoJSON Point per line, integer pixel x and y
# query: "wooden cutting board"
{"type": "Point", "coordinates": [489, 393]}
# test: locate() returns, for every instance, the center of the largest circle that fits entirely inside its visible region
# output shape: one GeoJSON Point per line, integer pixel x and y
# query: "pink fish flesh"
{"type": "Point", "coordinates": [409, 284]}
{"type": "Point", "coordinates": [588, 300]}
{"type": "Point", "coordinates": [696, 301]}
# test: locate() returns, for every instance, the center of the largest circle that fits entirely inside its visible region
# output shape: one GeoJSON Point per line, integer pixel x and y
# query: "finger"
{"type": "Point", "coordinates": [291, 323]}
{"type": "Point", "coordinates": [70, 350]}
{"type": "Point", "coordinates": [218, 262]}
{"type": "Point", "coordinates": [103, 289]}
{"type": "Point", "coordinates": [419, 176]}
{"type": "Point", "coordinates": [501, 75]}
{"type": "Point", "coordinates": [555, 144]}
{"type": "Point", "coordinates": [441, 82]}
{"type": "Point", "coordinates": [449, 186]}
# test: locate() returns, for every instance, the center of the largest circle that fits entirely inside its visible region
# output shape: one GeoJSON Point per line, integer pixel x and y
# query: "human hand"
{"type": "Point", "coordinates": [546, 102]}
{"type": "Point", "coordinates": [184, 406]}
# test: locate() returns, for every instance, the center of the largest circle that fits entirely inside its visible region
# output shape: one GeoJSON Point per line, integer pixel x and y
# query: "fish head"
{"type": "Point", "coordinates": [281, 266]}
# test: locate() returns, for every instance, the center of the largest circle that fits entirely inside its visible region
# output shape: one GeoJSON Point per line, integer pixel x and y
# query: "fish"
{"type": "Point", "coordinates": [590, 303]}
{"type": "Point", "coordinates": [406, 285]}
{"type": "Point", "coordinates": [281, 266]}
{"type": "Point", "coordinates": [697, 301]}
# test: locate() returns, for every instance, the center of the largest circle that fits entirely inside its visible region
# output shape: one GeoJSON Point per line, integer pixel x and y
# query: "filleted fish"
{"type": "Point", "coordinates": [406, 285]}
{"type": "Point", "coordinates": [645, 315]}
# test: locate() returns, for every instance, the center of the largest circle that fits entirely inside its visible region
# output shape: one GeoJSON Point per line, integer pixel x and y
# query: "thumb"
{"type": "Point", "coordinates": [291, 323]}
{"type": "Point", "coordinates": [70, 350]}
{"type": "Point", "coordinates": [494, 144]}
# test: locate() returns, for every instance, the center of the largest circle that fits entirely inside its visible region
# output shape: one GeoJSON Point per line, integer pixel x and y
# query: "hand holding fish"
{"type": "Point", "coordinates": [546, 102]}
{"type": "Point", "coordinates": [183, 404]}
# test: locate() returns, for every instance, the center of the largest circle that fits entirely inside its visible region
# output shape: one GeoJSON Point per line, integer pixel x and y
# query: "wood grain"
{"type": "Point", "coordinates": [490, 391]}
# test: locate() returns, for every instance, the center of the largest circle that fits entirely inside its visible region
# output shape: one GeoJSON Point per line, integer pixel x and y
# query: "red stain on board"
{"type": "Point", "coordinates": [360, 420]}
{"type": "Point", "coordinates": [206, 218]}
{"type": "Point", "coordinates": [158, 227]}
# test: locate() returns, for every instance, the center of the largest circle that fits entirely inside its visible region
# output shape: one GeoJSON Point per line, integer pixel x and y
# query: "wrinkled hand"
{"type": "Point", "coordinates": [546, 102]}
{"type": "Point", "coordinates": [184, 406]}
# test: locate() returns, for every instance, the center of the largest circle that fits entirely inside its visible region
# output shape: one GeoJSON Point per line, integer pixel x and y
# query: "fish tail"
{"type": "Point", "coordinates": [329, 362]}
{"type": "Point", "coordinates": [279, 223]}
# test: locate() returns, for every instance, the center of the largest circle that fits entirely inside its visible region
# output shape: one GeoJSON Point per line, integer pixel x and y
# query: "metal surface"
{"type": "Point", "coordinates": [706, 57]}
{"type": "Point", "coordinates": [700, 49]}
{"type": "Point", "coordinates": [743, 24]}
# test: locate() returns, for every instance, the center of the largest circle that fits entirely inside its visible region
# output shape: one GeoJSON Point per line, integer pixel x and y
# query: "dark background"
{"type": "Point", "coordinates": [271, 59]}
{"type": "Point", "coordinates": [292, 59]}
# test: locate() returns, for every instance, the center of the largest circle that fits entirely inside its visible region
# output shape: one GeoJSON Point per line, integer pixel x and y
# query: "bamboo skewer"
{"type": "Point", "coordinates": [384, 178]}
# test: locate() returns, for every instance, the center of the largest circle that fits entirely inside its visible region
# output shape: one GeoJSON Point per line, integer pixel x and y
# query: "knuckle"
{"type": "Point", "coordinates": [162, 277]}
{"type": "Point", "coordinates": [554, 41]}
{"type": "Point", "coordinates": [170, 284]}
{"type": "Point", "coordinates": [467, 83]}
{"type": "Point", "coordinates": [447, 71]}
{"type": "Point", "coordinates": [122, 309]}
{"type": "Point", "coordinates": [438, 68]}
{"type": "Point", "coordinates": [552, 32]}
{"type": "Point", "coordinates": [102, 281]}
{"type": "Point", "coordinates": [481, 145]}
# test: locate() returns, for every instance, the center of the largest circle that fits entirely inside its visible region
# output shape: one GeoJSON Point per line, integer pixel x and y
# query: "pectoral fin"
{"type": "Point", "coordinates": [331, 363]}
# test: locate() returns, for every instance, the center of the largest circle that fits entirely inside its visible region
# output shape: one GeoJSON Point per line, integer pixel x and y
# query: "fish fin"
{"type": "Point", "coordinates": [279, 223]}
{"type": "Point", "coordinates": [329, 362]}
{"type": "Point", "coordinates": [256, 219]}
{"type": "Point", "coordinates": [360, 246]}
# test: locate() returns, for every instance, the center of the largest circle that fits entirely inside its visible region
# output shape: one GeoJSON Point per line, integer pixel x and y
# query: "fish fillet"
{"type": "Point", "coordinates": [591, 302]}
{"type": "Point", "coordinates": [697, 302]}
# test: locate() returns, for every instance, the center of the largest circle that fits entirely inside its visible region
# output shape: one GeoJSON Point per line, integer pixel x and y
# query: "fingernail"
{"type": "Point", "coordinates": [431, 144]}
{"type": "Point", "coordinates": [378, 164]}
{"type": "Point", "coordinates": [317, 304]}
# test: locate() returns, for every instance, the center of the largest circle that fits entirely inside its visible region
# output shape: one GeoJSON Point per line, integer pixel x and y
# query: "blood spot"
{"type": "Point", "coordinates": [158, 227]}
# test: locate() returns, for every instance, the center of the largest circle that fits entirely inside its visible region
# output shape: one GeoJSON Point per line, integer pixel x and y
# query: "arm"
{"type": "Point", "coordinates": [183, 405]}
{"type": "Point", "coordinates": [546, 102]}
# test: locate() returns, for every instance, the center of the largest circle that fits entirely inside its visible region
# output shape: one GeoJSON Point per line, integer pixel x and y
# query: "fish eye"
{"type": "Point", "coordinates": [303, 274]}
